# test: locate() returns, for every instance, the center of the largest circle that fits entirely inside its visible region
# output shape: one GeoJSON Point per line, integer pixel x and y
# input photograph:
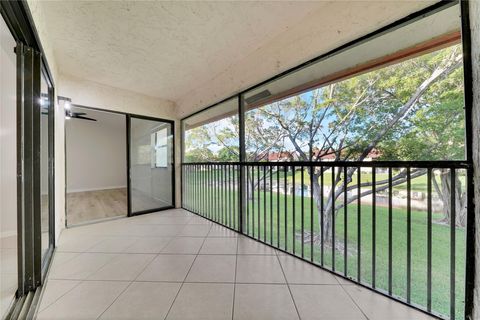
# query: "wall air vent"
{"type": "Point", "coordinates": [257, 97]}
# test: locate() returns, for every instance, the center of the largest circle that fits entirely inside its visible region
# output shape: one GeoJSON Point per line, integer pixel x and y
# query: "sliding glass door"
{"type": "Point", "coordinates": [26, 161]}
{"type": "Point", "coordinates": [8, 170]}
{"type": "Point", "coordinates": [46, 167]}
{"type": "Point", "coordinates": [150, 163]}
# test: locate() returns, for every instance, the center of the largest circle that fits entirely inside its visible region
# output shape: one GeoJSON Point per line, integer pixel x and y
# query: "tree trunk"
{"type": "Point", "coordinates": [445, 191]}
{"type": "Point", "coordinates": [326, 231]}
{"type": "Point", "coordinates": [250, 183]}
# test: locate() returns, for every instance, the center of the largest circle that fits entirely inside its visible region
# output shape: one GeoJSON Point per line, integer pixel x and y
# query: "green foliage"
{"type": "Point", "coordinates": [216, 141]}
{"type": "Point", "coordinates": [228, 154]}
{"type": "Point", "coordinates": [436, 131]}
{"type": "Point", "coordinates": [199, 155]}
{"type": "Point", "coordinates": [347, 116]}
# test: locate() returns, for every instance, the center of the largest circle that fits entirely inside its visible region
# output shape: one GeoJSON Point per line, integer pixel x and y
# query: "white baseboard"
{"type": "Point", "coordinates": [96, 189]}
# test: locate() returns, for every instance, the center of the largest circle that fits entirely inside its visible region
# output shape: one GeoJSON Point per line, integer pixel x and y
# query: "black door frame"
{"type": "Point", "coordinates": [170, 122]}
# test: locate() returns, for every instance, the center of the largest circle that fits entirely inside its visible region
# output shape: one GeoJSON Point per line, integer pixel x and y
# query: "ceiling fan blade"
{"type": "Point", "coordinates": [83, 118]}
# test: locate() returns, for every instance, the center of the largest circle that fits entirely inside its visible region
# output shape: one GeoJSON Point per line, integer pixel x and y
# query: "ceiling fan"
{"type": "Point", "coordinates": [69, 114]}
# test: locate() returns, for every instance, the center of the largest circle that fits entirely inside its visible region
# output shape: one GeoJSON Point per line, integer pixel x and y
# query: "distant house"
{"type": "Point", "coordinates": [281, 156]}
{"type": "Point", "coordinates": [331, 155]}
{"type": "Point", "coordinates": [373, 155]}
{"type": "Point", "coordinates": [319, 155]}
{"type": "Point", "coordinates": [324, 155]}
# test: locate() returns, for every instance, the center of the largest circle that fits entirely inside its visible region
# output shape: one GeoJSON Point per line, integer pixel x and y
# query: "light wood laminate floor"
{"type": "Point", "coordinates": [96, 205]}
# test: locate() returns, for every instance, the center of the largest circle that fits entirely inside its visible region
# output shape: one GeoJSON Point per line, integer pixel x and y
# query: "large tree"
{"type": "Point", "coordinates": [376, 110]}
{"type": "Point", "coordinates": [437, 133]}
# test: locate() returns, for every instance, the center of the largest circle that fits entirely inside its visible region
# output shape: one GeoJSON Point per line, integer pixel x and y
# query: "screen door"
{"type": "Point", "coordinates": [151, 165]}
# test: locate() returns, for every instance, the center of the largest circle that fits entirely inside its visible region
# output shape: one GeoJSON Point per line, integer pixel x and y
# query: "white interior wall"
{"type": "Point", "coordinates": [96, 152]}
{"type": "Point", "coordinates": [8, 133]}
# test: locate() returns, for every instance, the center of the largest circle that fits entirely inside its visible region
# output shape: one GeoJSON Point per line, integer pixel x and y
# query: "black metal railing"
{"type": "Point", "coordinates": [212, 191]}
{"type": "Point", "coordinates": [394, 226]}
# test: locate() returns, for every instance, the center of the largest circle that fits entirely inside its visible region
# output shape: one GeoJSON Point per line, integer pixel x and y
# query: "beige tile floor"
{"type": "Point", "coordinates": [174, 265]}
{"type": "Point", "coordinates": [8, 272]}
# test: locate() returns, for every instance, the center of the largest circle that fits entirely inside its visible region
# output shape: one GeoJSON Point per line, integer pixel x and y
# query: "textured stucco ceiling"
{"type": "Point", "coordinates": [169, 49]}
{"type": "Point", "coordinates": [161, 48]}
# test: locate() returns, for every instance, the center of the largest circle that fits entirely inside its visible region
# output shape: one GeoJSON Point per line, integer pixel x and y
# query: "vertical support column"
{"type": "Point", "coordinates": [22, 194]}
{"type": "Point", "coordinates": [37, 201]}
{"type": "Point", "coordinates": [470, 14]}
{"type": "Point", "coordinates": [178, 159]}
{"type": "Point", "coordinates": [242, 181]}
{"type": "Point", "coordinates": [129, 192]}
{"type": "Point", "coordinates": [180, 155]}
{"type": "Point", "coordinates": [28, 168]}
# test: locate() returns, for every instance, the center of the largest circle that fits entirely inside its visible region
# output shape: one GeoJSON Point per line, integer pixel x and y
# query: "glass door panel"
{"type": "Point", "coordinates": [151, 171]}
{"type": "Point", "coordinates": [45, 116]}
{"type": "Point", "coordinates": [8, 170]}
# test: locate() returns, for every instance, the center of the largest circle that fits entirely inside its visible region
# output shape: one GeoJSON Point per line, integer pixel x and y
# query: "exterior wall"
{"type": "Point", "coordinates": [475, 29]}
{"type": "Point", "coordinates": [91, 94]}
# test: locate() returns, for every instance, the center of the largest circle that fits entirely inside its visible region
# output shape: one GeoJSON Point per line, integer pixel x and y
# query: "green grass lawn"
{"type": "Point", "coordinates": [269, 226]}
{"type": "Point", "coordinates": [418, 184]}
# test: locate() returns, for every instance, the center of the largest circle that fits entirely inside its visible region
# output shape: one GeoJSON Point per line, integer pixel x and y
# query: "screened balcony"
{"type": "Point", "coordinates": [239, 160]}
{"type": "Point", "coordinates": [358, 168]}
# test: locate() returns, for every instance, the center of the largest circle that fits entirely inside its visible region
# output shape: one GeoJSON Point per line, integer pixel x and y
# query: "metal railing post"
{"type": "Point", "coordinates": [242, 181]}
